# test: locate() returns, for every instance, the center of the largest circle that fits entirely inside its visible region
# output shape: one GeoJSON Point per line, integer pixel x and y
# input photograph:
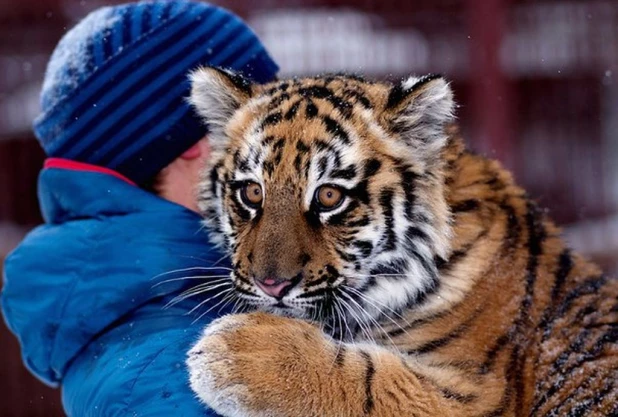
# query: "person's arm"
{"type": "Point", "coordinates": [137, 368]}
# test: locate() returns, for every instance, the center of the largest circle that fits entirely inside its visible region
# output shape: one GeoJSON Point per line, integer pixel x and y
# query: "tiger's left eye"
{"type": "Point", "coordinates": [328, 197]}
{"type": "Point", "coordinates": [252, 194]}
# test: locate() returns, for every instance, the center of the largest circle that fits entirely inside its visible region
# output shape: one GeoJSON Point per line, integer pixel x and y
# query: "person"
{"type": "Point", "coordinates": [85, 292]}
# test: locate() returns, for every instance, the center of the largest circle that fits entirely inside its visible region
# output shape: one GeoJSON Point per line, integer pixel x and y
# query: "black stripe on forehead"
{"type": "Point", "coordinates": [322, 145]}
{"type": "Point", "coordinates": [342, 101]}
{"type": "Point", "coordinates": [334, 128]}
{"type": "Point", "coordinates": [372, 166]}
{"type": "Point", "coordinates": [279, 144]}
{"type": "Point", "coordinates": [302, 147]}
{"type": "Point", "coordinates": [297, 162]}
{"type": "Point", "coordinates": [277, 88]}
{"type": "Point", "coordinates": [268, 167]}
{"type": "Point", "coordinates": [271, 119]}
{"type": "Point", "coordinates": [343, 106]}
{"type": "Point", "coordinates": [311, 110]}
{"type": "Point", "coordinates": [241, 163]}
{"type": "Point", "coordinates": [330, 153]}
{"type": "Point", "coordinates": [307, 167]}
{"type": "Point", "coordinates": [339, 103]}
{"type": "Point", "coordinates": [322, 164]}
{"type": "Point", "coordinates": [359, 97]}
{"type": "Point", "coordinates": [277, 157]}
{"type": "Point", "coordinates": [300, 167]}
{"type": "Point", "coordinates": [292, 111]}
{"type": "Point", "coordinates": [276, 101]}
{"type": "Point", "coordinates": [255, 155]}
{"type": "Point", "coordinates": [346, 173]}
{"type": "Point", "coordinates": [317, 91]}
{"type": "Point", "coordinates": [335, 158]}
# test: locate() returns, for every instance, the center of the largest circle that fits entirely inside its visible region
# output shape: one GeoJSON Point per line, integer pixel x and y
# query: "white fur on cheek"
{"type": "Point", "coordinates": [423, 135]}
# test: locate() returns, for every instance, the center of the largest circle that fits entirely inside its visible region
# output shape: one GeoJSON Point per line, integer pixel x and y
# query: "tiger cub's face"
{"type": "Point", "coordinates": [327, 192]}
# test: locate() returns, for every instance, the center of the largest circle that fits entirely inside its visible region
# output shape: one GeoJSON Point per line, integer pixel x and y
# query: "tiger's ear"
{"type": "Point", "coordinates": [216, 94]}
{"type": "Point", "coordinates": [419, 109]}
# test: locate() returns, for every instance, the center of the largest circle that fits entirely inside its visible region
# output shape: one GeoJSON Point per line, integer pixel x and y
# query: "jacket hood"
{"type": "Point", "coordinates": [105, 248]}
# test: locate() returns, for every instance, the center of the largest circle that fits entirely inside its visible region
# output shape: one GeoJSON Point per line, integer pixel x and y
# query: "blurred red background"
{"type": "Point", "coordinates": [536, 81]}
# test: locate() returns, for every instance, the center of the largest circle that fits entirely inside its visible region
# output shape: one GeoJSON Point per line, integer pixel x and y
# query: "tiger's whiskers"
{"type": "Point", "coordinates": [193, 268]}
{"type": "Point", "coordinates": [222, 278]}
{"type": "Point", "coordinates": [372, 301]}
{"type": "Point", "coordinates": [196, 290]}
{"type": "Point", "coordinates": [225, 301]}
{"type": "Point", "coordinates": [373, 320]}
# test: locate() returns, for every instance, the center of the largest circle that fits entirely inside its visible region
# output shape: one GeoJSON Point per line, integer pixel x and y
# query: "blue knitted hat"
{"type": "Point", "coordinates": [115, 89]}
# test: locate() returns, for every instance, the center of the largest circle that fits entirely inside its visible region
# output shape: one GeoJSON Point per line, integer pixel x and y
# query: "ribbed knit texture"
{"type": "Point", "coordinates": [115, 89]}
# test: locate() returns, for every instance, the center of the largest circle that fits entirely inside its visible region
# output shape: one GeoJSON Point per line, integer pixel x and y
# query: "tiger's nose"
{"type": "Point", "coordinates": [277, 288]}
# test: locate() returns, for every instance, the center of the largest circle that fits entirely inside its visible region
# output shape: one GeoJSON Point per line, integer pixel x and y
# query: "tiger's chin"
{"type": "Point", "coordinates": [283, 308]}
{"type": "Point", "coordinates": [285, 311]}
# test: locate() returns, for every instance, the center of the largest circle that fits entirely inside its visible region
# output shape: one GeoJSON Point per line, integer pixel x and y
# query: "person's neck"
{"type": "Point", "coordinates": [178, 186]}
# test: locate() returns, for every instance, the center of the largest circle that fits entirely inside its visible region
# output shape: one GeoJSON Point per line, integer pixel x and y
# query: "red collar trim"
{"type": "Point", "coordinates": [61, 163]}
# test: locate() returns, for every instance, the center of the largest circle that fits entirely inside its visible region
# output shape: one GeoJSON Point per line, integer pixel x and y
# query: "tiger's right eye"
{"type": "Point", "coordinates": [252, 195]}
{"type": "Point", "coordinates": [328, 197]}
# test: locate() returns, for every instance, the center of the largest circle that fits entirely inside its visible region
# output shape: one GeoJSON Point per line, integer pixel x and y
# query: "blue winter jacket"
{"type": "Point", "coordinates": [81, 295]}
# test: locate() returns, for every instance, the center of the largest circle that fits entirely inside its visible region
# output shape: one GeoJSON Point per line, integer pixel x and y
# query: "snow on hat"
{"type": "Point", "coordinates": [115, 88]}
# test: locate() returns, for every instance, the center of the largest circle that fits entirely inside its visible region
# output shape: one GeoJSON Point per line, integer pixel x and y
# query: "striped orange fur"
{"type": "Point", "coordinates": [427, 284]}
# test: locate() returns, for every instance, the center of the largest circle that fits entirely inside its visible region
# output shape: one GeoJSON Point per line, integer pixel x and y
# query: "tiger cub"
{"type": "Point", "coordinates": [406, 276]}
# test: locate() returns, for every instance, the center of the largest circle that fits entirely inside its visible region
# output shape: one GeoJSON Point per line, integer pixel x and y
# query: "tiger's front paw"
{"type": "Point", "coordinates": [214, 376]}
{"type": "Point", "coordinates": [258, 364]}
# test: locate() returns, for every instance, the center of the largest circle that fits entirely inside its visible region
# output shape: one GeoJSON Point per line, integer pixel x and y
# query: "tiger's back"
{"type": "Point", "coordinates": [427, 249]}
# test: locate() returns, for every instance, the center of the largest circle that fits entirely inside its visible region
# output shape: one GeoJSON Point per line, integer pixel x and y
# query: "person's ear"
{"type": "Point", "coordinates": [199, 150]}
{"type": "Point", "coordinates": [193, 152]}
